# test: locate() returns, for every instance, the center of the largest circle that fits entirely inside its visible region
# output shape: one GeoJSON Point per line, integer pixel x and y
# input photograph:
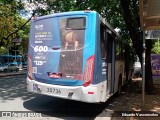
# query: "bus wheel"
{"type": "Point", "coordinates": [5, 70]}
{"type": "Point", "coordinates": [119, 86]}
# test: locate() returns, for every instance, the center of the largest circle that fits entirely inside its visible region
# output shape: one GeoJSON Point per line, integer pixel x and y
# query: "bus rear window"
{"type": "Point", "coordinates": [76, 23]}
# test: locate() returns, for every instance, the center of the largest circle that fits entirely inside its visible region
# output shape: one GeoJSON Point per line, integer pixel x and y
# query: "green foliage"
{"type": "Point", "coordinates": [3, 50]}
{"type": "Point", "coordinates": [109, 9]}
{"type": "Point", "coordinates": [156, 47]}
{"type": "Point", "coordinates": [11, 21]}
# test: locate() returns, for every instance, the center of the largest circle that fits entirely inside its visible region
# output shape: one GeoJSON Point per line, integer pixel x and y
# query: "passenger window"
{"type": "Point", "coordinates": [103, 41]}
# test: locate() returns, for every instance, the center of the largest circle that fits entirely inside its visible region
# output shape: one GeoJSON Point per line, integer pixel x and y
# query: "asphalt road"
{"type": "Point", "coordinates": [14, 97]}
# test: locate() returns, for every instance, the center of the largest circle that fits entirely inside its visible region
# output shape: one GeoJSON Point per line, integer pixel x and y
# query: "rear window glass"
{"type": "Point", "coordinates": [76, 23]}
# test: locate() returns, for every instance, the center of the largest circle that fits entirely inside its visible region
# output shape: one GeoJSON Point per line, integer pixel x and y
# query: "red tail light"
{"type": "Point", "coordinates": [30, 68]}
{"type": "Point", "coordinates": [88, 72]}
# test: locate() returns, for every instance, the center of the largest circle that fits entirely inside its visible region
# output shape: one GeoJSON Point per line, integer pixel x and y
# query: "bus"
{"type": "Point", "coordinates": [75, 55]}
{"type": "Point", "coordinates": [11, 59]}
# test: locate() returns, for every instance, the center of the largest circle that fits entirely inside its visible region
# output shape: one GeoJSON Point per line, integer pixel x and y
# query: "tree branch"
{"type": "Point", "coordinates": [6, 38]}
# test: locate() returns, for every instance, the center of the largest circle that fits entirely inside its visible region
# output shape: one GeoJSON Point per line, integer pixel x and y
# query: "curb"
{"type": "Point", "coordinates": [13, 74]}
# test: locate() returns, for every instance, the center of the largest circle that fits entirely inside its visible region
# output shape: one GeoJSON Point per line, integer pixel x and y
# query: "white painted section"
{"type": "Point", "coordinates": [78, 93]}
{"type": "Point", "coordinates": [119, 69]}
{"type": "Point", "coordinates": [109, 78]}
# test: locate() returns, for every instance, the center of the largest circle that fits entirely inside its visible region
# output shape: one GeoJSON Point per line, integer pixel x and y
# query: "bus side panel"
{"type": "Point", "coordinates": [89, 47]}
{"type": "Point", "coordinates": [30, 50]}
{"type": "Point", "coordinates": [98, 78]}
{"type": "Point", "coordinates": [119, 70]}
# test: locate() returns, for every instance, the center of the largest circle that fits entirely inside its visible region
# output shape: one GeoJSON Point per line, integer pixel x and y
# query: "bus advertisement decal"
{"type": "Point", "coordinates": [71, 54]}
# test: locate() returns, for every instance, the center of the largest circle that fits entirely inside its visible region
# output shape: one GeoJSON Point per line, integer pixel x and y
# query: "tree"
{"type": "Point", "coordinates": [12, 25]}
{"type": "Point", "coordinates": [3, 50]}
{"type": "Point", "coordinates": [131, 18]}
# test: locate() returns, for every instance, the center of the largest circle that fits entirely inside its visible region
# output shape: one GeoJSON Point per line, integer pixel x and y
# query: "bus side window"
{"type": "Point", "coordinates": [102, 41]}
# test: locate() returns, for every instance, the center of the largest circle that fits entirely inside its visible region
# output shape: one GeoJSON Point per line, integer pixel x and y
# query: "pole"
{"type": "Point", "coordinates": [143, 68]}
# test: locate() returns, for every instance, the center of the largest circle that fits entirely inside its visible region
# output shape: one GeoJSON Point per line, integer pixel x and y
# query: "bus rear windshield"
{"type": "Point", "coordinates": [76, 23]}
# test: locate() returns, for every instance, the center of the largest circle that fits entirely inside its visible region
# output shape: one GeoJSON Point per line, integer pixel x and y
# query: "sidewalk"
{"type": "Point", "coordinates": [152, 102]}
{"type": "Point", "coordinates": [21, 72]}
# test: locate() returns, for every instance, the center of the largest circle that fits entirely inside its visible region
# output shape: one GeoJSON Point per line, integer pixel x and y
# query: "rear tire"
{"type": "Point", "coordinates": [119, 86]}
{"type": "Point", "coordinates": [5, 70]}
{"type": "Point", "coordinates": [17, 70]}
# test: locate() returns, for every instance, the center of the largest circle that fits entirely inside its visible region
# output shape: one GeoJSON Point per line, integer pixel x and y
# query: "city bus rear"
{"type": "Point", "coordinates": [61, 56]}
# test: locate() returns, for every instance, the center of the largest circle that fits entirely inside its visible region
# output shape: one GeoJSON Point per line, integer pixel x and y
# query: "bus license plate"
{"type": "Point", "coordinates": [53, 91]}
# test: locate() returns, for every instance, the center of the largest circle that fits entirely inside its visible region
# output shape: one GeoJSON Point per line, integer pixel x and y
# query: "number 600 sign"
{"type": "Point", "coordinates": [40, 49]}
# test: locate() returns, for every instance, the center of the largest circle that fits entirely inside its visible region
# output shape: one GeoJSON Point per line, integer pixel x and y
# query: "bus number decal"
{"type": "Point", "coordinates": [40, 48]}
{"type": "Point", "coordinates": [53, 90]}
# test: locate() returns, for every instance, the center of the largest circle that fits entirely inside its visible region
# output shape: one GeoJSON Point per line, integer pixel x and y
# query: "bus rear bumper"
{"type": "Point", "coordinates": [90, 94]}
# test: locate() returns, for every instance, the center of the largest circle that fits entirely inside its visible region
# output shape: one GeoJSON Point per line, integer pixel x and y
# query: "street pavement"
{"type": "Point", "coordinates": [20, 72]}
{"type": "Point", "coordinates": [15, 98]}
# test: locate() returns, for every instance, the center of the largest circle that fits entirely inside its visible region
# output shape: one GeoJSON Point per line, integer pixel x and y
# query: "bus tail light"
{"type": "Point", "coordinates": [88, 72]}
{"type": "Point", "coordinates": [30, 71]}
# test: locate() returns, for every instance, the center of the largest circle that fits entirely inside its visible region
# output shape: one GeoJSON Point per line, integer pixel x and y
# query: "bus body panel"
{"type": "Point", "coordinates": [90, 94]}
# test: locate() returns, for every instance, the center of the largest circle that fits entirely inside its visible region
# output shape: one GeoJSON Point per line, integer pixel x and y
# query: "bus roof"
{"type": "Point", "coordinates": [64, 14]}
{"type": "Point", "coordinates": [112, 31]}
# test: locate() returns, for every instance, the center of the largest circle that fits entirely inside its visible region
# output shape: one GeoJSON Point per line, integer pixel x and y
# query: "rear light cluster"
{"type": "Point", "coordinates": [88, 72]}
{"type": "Point", "coordinates": [30, 70]}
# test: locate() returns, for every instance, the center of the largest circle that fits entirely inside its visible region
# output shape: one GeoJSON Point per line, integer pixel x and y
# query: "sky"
{"type": "Point", "coordinates": [29, 7]}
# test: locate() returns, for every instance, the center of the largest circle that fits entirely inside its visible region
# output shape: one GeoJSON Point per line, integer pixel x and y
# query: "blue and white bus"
{"type": "Point", "coordinates": [75, 55]}
{"type": "Point", "coordinates": [11, 59]}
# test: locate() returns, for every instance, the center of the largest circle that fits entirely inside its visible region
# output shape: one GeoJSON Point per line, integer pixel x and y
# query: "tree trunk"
{"type": "Point", "coordinates": [136, 37]}
{"type": "Point", "coordinates": [148, 70]}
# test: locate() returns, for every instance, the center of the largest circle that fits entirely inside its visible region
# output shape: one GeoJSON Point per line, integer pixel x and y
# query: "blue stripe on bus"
{"type": "Point", "coordinates": [89, 46]}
